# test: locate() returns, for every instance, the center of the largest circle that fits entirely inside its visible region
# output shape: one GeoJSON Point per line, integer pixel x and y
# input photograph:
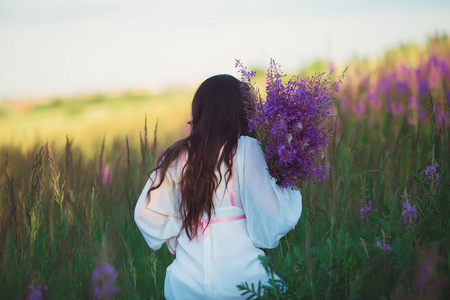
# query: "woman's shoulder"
{"type": "Point", "coordinates": [247, 140]}
{"type": "Point", "coordinates": [247, 144]}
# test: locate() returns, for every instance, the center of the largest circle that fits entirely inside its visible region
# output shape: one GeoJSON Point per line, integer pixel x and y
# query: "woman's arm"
{"type": "Point", "coordinates": [270, 209]}
{"type": "Point", "coordinates": [155, 214]}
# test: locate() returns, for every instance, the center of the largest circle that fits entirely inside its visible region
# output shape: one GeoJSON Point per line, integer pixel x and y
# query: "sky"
{"type": "Point", "coordinates": [51, 48]}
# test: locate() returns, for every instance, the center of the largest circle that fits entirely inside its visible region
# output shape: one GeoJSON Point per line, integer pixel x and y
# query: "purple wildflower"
{"type": "Point", "coordinates": [402, 87]}
{"type": "Point", "coordinates": [365, 211]}
{"type": "Point", "coordinates": [384, 246]}
{"type": "Point", "coordinates": [423, 86]}
{"type": "Point", "coordinates": [246, 76]}
{"type": "Point", "coordinates": [447, 96]}
{"type": "Point", "coordinates": [394, 107]}
{"type": "Point", "coordinates": [97, 293]}
{"type": "Point", "coordinates": [373, 100]}
{"type": "Point", "coordinates": [438, 69]}
{"type": "Point", "coordinates": [103, 279]}
{"type": "Point", "coordinates": [359, 108]}
{"type": "Point", "coordinates": [409, 214]}
{"type": "Point", "coordinates": [37, 293]}
{"type": "Point", "coordinates": [431, 174]}
{"type": "Point", "coordinates": [293, 123]}
{"type": "Point", "coordinates": [442, 117]}
{"type": "Point", "coordinates": [385, 84]}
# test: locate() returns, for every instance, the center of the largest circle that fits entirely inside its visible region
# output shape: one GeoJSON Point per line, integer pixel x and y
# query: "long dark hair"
{"type": "Point", "coordinates": [218, 119]}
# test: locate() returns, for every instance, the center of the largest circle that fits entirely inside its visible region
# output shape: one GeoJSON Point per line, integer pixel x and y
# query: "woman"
{"type": "Point", "coordinates": [212, 200]}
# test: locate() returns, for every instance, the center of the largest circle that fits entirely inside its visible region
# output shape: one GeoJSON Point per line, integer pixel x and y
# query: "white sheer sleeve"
{"type": "Point", "coordinates": [158, 219]}
{"type": "Point", "coordinates": [271, 210]}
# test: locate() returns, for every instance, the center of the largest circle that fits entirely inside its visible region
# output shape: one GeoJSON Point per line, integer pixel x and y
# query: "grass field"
{"type": "Point", "coordinates": [377, 227]}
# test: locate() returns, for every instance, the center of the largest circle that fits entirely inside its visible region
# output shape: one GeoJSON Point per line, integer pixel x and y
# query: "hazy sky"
{"type": "Point", "coordinates": [64, 47]}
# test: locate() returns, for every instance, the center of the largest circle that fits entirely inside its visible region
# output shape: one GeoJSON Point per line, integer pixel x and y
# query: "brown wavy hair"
{"type": "Point", "coordinates": [218, 119]}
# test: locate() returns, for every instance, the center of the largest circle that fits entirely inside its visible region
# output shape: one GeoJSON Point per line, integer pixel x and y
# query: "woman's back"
{"type": "Point", "coordinates": [251, 212]}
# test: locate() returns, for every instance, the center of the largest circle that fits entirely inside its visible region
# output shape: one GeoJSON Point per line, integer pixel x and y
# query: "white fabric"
{"type": "Point", "coordinates": [213, 266]}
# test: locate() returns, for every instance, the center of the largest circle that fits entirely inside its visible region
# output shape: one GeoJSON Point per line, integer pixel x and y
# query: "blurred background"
{"type": "Point", "coordinates": [94, 69]}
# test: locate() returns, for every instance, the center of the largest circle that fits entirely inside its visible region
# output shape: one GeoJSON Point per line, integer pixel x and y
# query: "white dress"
{"type": "Point", "coordinates": [256, 214]}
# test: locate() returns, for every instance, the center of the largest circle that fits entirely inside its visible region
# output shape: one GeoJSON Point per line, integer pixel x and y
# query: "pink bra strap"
{"type": "Point", "coordinates": [230, 189]}
{"type": "Point", "coordinates": [204, 224]}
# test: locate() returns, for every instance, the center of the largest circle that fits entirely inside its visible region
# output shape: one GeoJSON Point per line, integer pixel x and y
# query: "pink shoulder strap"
{"type": "Point", "coordinates": [230, 189]}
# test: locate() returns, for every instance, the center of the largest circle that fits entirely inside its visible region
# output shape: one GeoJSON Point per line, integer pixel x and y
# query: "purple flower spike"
{"type": "Point", "coordinates": [104, 269]}
{"type": "Point", "coordinates": [384, 246]}
{"type": "Point", "coordinates": [359, 108]}
{"type": "Point", "coordinates": [373, 100]}
{"type": "Point", "coordinates": [385, 84]}
{"type": "Point", "coordinates": [409, 214]}
{"type": "Point", "coordinates": [402, 87]}
{"type": "Point", "coordinates": [37, 293]}
{"type": "Point", "coordinates": [432, 174]}
{"type": "Point", "coordinates": [423, 86]}
{"type": "Point", "coordinates": [103, 279]}
{"type": "Point", "coordinates": [365, 210]}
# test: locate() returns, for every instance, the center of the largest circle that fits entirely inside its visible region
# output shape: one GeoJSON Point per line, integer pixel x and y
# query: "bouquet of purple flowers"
{"type": "Point", "coordinates": [293, 124]}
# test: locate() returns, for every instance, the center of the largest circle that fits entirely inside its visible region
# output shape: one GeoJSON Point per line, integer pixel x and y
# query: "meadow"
{"type": "Point", "coordinates": [378, 226]}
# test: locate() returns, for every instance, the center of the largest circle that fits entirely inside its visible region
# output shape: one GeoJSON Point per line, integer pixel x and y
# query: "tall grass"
{"type": "Point", "coordinates": [62, 214]}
